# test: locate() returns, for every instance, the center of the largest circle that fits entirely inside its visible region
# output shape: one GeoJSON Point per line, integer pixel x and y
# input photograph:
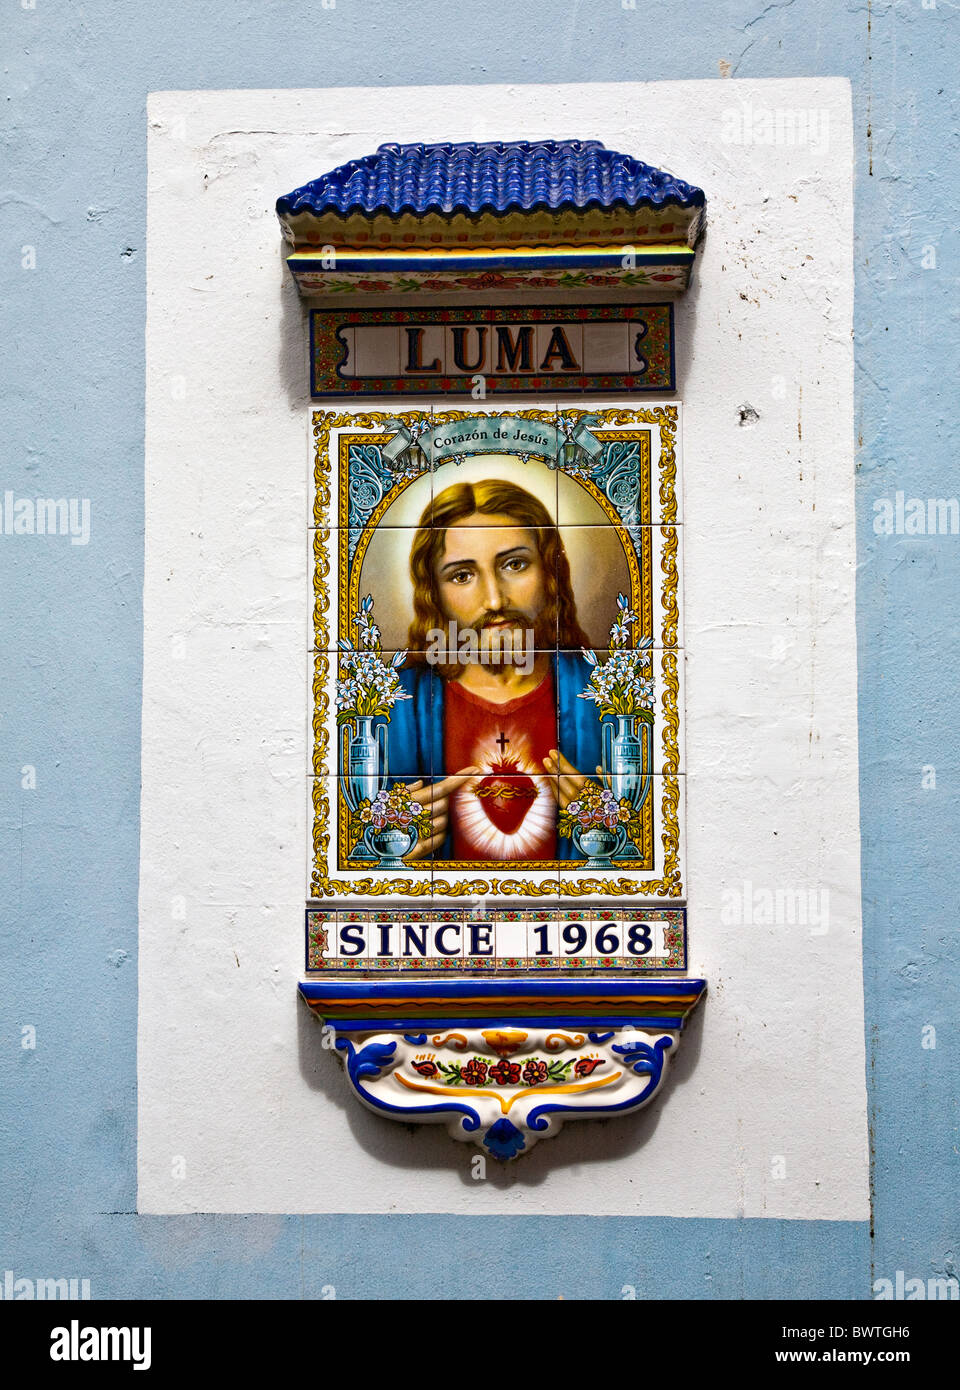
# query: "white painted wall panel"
{"type": "Point", "coordinates": [231, 1076]}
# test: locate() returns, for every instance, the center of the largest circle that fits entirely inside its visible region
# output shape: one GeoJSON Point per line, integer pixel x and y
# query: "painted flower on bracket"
{"type": "Point", "coordinates": [585, 1065]}
{"type": "Point", "coordinates": [487, 280]}
{"type": "Point", "coordinates": [534, 1072]}
{"type": "Point", "coordinates": [425, 1067]}
{"type": "Point", "coordinates": [505, 1073]}
{"type": "Point", "coordinates": [475, 1072]}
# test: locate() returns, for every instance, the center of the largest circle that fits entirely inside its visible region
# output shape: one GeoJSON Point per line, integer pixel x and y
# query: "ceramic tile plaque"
{"type": "Point", "coordinates": [486, 940]}
{"type": "Point", "coordinates": [564, 349]}
{"type": "Point", "coordinates": [496, 928]}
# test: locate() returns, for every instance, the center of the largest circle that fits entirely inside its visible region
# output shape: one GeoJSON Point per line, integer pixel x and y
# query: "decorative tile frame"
{"type": "Point", "coordinates": [363, 462]}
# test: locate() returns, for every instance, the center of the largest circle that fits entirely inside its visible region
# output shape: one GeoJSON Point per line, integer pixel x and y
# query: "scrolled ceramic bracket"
{"type": "Point", "coordinates": [505, 1089]}
{"type": "Point", "coordinates": [505, 1085]}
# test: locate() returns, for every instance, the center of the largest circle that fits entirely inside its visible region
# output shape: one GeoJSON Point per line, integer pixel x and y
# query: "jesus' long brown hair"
{"type": "Point", "coordinates": [491, 498]}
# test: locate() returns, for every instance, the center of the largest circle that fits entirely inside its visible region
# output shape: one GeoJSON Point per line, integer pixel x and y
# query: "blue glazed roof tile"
{"type": "Point", "coordinates": [497, 177]}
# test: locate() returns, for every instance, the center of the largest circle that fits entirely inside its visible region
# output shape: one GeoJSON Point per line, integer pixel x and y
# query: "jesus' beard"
{"type": "Point", "coordinates": [498, 640]}
{"type": "Point", "coordinates": [508, 639]}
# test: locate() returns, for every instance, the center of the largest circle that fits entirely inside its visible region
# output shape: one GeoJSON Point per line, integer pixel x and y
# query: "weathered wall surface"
{"type": "Point", "coordinates": [73, 224]}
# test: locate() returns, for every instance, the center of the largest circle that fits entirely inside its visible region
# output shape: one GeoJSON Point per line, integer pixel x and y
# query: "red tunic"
{"type": "Point", "coordinates": [508, 812]}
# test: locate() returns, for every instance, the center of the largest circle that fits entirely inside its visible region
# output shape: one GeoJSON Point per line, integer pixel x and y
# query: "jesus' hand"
{"type": "Point", "coordinates": [565, 781]}
{"type": "Point", "coordinates": [435, 800]}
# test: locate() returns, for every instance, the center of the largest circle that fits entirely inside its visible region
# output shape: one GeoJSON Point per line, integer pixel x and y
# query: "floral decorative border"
{"type": "Point", "coordinates": [664, 275]}
{"type": "Point", "coordinates": [506, 1087]}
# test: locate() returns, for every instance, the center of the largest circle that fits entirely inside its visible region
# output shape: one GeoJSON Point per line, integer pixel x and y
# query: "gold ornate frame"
{"type": "Point", "coordinates": [427, 882]}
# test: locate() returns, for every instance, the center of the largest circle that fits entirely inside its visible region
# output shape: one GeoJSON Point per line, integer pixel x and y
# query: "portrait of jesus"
{"type": "Point", "coordinates": [493, 733]}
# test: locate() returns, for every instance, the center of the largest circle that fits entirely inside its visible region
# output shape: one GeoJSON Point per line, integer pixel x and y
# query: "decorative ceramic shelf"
{"type": "Point", "coordinates": [353, 1005]}
{"type": "Point", "coordinates": [439, 219]}
{"type": "Point", "coordinates": [503, 1063]}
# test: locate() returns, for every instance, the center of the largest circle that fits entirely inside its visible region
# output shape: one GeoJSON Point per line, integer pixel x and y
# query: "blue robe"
{"type": "Point", "coordinates": [416, 725]}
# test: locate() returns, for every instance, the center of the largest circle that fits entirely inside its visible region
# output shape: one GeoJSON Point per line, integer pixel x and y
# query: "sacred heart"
{"type": "Point", "coordinates": [506, 794]}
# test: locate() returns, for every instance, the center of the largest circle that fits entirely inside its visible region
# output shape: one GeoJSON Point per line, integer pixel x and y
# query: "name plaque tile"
{"type": "Point", "coordinates": [559, 349]}
{"type": "Point", "coordinates": [359, 940]}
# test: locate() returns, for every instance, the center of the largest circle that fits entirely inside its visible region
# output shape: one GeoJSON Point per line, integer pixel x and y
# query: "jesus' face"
{"type": "Point", "coordinates": [487, 558]}
{"type": "Point", "coordinates": [489, 577]}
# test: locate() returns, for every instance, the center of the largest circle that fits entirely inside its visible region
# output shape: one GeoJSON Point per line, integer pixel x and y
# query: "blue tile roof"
{"type": "Point", "coordinates": [472, 178]}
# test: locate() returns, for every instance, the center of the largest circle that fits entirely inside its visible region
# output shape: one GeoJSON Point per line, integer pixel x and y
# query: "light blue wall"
{"type": "Point", "coordinates": [73, 116]}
